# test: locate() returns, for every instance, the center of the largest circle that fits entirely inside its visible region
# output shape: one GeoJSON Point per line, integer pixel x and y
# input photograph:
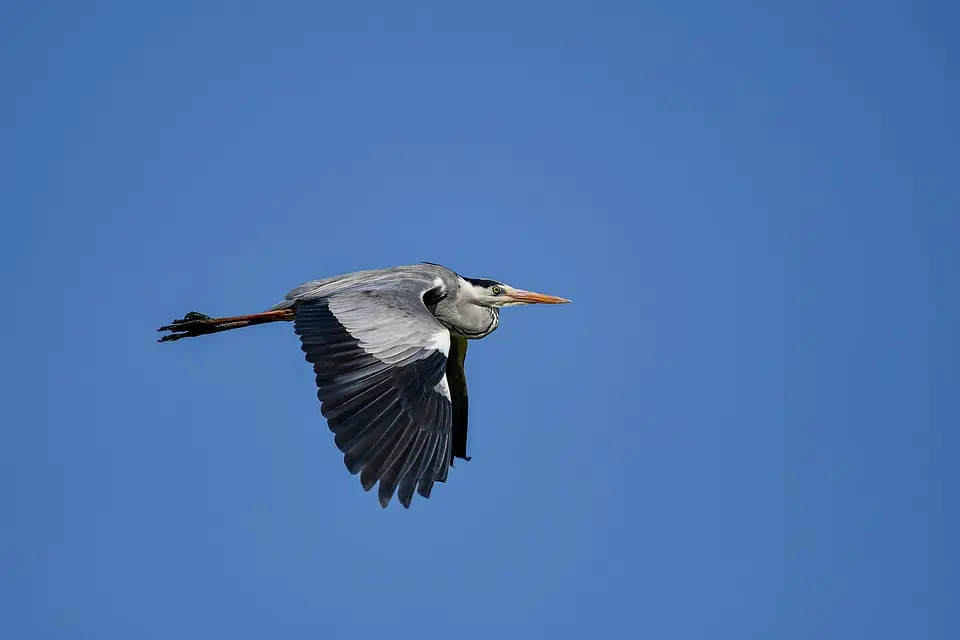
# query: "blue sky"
{"type": "Point", "coordinates": [744, 426]}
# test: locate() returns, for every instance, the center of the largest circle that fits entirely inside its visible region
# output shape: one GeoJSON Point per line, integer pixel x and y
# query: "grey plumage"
{"type": "Point", "coordinates": [388, 348]}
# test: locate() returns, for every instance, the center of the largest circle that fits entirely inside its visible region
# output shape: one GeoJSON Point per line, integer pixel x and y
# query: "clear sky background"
{"type": "Point", "coordinates": [744, 427]}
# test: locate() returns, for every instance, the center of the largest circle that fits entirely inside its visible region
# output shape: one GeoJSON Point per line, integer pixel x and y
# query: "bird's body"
{"type": "Point", "coordinates": [406, 283]}
{"type": "Point", "coordinates": [388, 349]}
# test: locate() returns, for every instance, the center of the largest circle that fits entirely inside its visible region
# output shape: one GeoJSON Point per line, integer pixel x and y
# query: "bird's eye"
{"type": "Point", "coordinates": [496, 290]}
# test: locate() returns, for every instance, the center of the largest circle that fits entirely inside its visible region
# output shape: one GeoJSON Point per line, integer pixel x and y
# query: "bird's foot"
{"type": "Point", "coordinates": [193, 316]}
{"type": "Point", "coordinates": [189, 325]}
{"type": "Point", "coordinates": [197, 324]}
{"type": "Point", "coordinates": [192, 319]}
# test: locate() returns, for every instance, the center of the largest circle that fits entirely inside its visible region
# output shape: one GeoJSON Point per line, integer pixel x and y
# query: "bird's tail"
{"type": "Point", "coordinates": [197, 324]}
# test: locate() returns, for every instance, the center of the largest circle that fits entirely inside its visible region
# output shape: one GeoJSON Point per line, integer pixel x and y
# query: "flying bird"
{"type": "Point", "coordinates": [388, 348]}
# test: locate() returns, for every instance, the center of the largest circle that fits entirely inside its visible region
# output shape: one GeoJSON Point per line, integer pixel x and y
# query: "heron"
{"type": "Point", "coordinates": [388, 348]}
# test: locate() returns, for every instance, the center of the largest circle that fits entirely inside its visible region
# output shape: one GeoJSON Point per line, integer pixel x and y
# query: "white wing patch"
{"type": "Point", "coordinates": [443, 388]}
{"type": "Point", "coordinates": [440, 341]}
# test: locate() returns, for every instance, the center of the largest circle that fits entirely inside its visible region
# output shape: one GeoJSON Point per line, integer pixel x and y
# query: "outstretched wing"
{"type": "Point", "coordinates": [380, 359]}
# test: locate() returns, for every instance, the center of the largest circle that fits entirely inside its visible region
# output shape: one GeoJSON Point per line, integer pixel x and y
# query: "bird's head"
{"type": "Point", "coordinates": [490, 293]}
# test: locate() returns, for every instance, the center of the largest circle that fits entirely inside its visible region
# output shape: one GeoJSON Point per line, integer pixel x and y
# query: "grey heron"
{"type": "Point", "coordinates": [388, 348]}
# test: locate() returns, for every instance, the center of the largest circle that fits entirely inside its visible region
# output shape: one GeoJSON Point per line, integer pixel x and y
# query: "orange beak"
{"type": "Point", "coordinates": [529, 297]}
